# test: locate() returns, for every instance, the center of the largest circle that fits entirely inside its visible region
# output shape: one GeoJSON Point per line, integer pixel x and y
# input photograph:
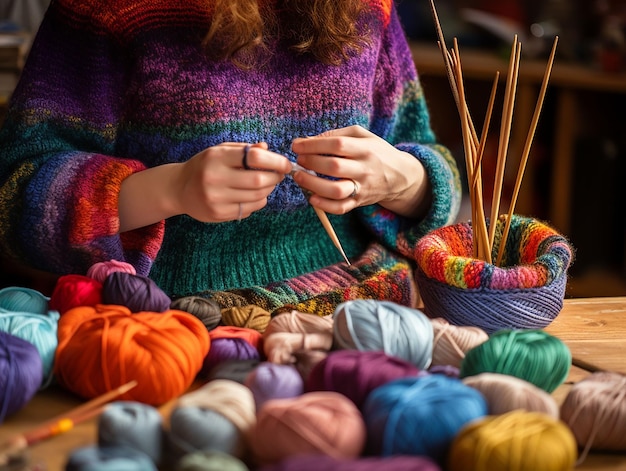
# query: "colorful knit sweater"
{"type": "Point", "coordinates": [112, 87]}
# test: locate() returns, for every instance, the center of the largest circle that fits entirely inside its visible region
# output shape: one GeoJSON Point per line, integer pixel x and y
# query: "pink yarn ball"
{"type": "Point", "coordinates": [99, 271]}
{"type": "Point", "coordinates": [323, 422]}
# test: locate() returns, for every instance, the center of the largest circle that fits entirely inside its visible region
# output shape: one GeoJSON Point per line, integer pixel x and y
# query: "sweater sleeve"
{"type": "Point", "coordinates": [59, 173]}
{"type": "Point", "coordinates": [402, 118]}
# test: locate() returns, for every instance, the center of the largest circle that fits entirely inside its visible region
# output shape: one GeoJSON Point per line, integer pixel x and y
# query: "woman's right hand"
{"type": "Point", "coordinates": [212, 186]}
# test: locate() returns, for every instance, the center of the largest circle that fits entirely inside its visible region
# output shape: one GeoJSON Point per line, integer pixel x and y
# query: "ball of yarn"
{"type": "Point", "coordinates": [217, 416]}
{"type": "Point", "coordinates": [532, 355]}
{"type": "Point", "coordinates": [100, 270]}
{"type": "Point", "coordinates": [355, 373]}
{"type": "Point", "coordinates": [373, 463]}
{"type": "Point", "coordinates": [133, 425]}
{"type": "Point", "coordinates": [137, 293]}
{"type": "Point", "coordinates": [106, 346]}
{"type": "Point", "coordinates": [250, 316]}
{"type": "Point", "coordinates": [233, 370]}
{"type": "Point", "coordinates": [37, 329]}
{"type": "Point", "coordinates": [72, 291]}
{"type": "Point", "coordinates": [274, 381]}
{"type": "Point", "coordinates": [450, 342]}
{"type": "Point", "coordinates": [207, 310]}
{"type": "Point", "coordinates": [14, 298]}
{"type": "Point", "coordinates": [521, 440]}
{"type": "Point", "coordinates": [595, 411]}
{"type": "Point", "coordinates": [21, 373]}
{"type": "Point", "coordinates": [95, 458]}
{"type": "Point", "coordinates": [226, 349]}
{"type": "Point", "coordinates": [210, 461]}
{"type": "Point", "coordinates": [446, 370]}
{"type": "Point", "coordinates": [323, 422]}
{"type": "Point", "coordinates": [419, 416]}
{"type": "Point", "coordinates": [505, 393]}
{"type": "Point", "coordinates": [294, 331]}
{"type": "Point", "coordinates": [306, 361]}
{"type": "Point", "coordinates": [400, 331]}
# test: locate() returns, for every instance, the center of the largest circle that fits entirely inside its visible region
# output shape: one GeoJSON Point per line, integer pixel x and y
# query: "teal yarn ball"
{"type": "Point", "coordinates": [14, 298]}
{"type": "Point", "coordinates": [39, 330]}
{"type": "Point", "coordinates": [372, 325]}
{"type": "Point", "coordinates": [134, 425]}
{"type": "Point", "coordinates": [419, 416]}
{"type": "Point", "coordinates": [532, 355]}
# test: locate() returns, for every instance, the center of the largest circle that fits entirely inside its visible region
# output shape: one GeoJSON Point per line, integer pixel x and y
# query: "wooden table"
{"type": "Point", "coordinates": [594, 329]}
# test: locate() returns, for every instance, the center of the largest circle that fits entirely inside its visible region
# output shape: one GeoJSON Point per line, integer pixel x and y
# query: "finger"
{"type": "Point", "coordinates": [326, 189]}
{"type": "Point", "coordinates": [259, 158]}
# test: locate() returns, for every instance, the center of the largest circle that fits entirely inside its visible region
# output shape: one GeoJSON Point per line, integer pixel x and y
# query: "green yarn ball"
{"type": "Point", "coordinates": [210, 461]}
{"type": "Point", "coordinates": [532, 355]}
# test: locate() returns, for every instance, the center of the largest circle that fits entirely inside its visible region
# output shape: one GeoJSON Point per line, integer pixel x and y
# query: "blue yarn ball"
{"type": "Point", "coordinates": [199, 429]}
{"type": "Point", "coordinates": [14, 298]}
{"type": "Point", "coordinates": [39, 330]}
{"type": "Point", "coordinates": [400, 331]}
{"type": "Point", "coordinates": [420, 416]}
{"type": "Point", "coordinates": [21, 373]}
{"type": "Point", "coordinates": [95, 458]}
{"type": "Point", "coordinates": [134, 425]}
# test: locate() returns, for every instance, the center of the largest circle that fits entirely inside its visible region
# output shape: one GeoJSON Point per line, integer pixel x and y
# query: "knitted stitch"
{"type": "Point", "coordinates": [113, 87]}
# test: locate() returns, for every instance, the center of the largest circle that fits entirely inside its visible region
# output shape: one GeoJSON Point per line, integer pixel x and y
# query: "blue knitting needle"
{"type": "Point", "coordinates": [321, 214]}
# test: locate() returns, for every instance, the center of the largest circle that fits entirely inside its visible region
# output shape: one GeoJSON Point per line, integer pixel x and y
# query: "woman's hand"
{"type": "Point", "coordinates": [369, 169]}
{"type": "Point", "coordinates": [212, 186]}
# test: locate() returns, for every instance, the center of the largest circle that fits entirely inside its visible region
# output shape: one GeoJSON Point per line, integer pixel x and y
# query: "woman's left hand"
{"type": "Point", "coordinates": [368, 170]}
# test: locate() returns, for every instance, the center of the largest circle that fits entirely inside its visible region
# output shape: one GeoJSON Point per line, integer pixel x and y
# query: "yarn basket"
{"type": "Point", "coordinates": [525, 291]}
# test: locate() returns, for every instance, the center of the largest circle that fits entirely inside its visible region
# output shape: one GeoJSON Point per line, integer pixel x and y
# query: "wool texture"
{"type": "Point", "coordinates": [112, 88]}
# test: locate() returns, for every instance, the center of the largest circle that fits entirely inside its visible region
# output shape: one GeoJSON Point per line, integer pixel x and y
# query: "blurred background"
{"type": "Point", "coordinates": [576, 171]}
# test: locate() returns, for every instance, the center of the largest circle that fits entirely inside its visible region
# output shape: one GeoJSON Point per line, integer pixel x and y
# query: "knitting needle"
{"type": "Point", "coordinates": [526, 151]}
{"type": "Point", "coordinates": [60, 424]}
{"type": "Point", "coordinates": [322, 216]}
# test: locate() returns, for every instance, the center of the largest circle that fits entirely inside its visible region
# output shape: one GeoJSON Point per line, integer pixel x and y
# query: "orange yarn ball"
{"type": "Point", "coordinates": [105, 346]}
{"type": "Point", "coordinates": [73, 291]}
{"type": "Point", "coordinates": [251, 336]}
{"type": "Point", "coordinates": [324, 422]}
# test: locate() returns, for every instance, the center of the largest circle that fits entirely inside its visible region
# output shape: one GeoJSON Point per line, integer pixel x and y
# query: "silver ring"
{"type": "Point", "coordinates": [244, 161]}
{"type": "Point", "coordinates": [355, 191]}
{"type": "Point", "coordinates": [240, 213]}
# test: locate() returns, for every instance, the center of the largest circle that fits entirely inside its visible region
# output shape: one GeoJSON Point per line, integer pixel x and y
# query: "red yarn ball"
{"type": "Point", "coordinates": [73, 291]}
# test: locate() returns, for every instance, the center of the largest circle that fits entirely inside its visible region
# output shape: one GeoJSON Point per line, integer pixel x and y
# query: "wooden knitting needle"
{"type": "Point", "coordinates": [322, 216]}
{"type": "Point", "coordinates": [60, 424]}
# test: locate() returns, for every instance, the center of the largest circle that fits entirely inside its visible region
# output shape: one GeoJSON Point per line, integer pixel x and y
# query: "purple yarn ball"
{"type": "Point", "coordinates": [355, 373]}
{"type": "Point", "coordinates": [328, 463]}
{"type": "Point", "coordinates": [138, 293]}
{"type": "Point", "coordinates": [446, 370]}
{"type": "Point", "coordinates": [226, 349]}
{"type": "Point", "coordinates": [21, 373]}
{"type": "Point", "coordinates": [274, 381]}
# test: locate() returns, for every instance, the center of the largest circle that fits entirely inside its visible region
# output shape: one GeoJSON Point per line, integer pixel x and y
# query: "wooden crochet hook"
{"type": "Point", "coordinates": [323, 217]}
{"type": "Point", "coordinates": [60, 424]}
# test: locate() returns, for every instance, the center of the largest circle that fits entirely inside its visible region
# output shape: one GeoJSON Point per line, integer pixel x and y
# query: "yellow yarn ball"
{"type": "Point", "coordinates": [519, 440]}
{"type": "Point", "coordinates": [250, 316]}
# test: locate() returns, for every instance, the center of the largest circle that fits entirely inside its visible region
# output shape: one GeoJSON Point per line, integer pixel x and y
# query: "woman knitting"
{"type": "Point", "coordinates": [162, 134]}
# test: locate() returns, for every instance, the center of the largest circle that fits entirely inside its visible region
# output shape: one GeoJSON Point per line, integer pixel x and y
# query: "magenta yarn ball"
{"type": "Point", "coordinates": [21, 373]}
{"type": "Point", "coordinates": [137, 293]}
{"type": "Point", "coordinates": [374, 463]}
{"type": "Point", "coordinates": [356, 373]}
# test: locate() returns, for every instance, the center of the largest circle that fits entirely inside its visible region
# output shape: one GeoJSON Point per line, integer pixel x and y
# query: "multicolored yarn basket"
{"type": "Point", "coordinates": [525, 292]}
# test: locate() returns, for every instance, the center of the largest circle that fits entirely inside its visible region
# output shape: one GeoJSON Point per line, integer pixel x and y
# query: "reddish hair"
{"type": "Point", "coordinates": [326, 29]}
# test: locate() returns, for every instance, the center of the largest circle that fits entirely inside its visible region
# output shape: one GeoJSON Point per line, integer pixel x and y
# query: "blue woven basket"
{"type": "Point", "coordinates": [526, 292]}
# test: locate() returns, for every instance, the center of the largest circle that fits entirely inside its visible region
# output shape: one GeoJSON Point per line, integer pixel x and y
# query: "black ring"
{"type": "Point", "coordinates": [244, 162]}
